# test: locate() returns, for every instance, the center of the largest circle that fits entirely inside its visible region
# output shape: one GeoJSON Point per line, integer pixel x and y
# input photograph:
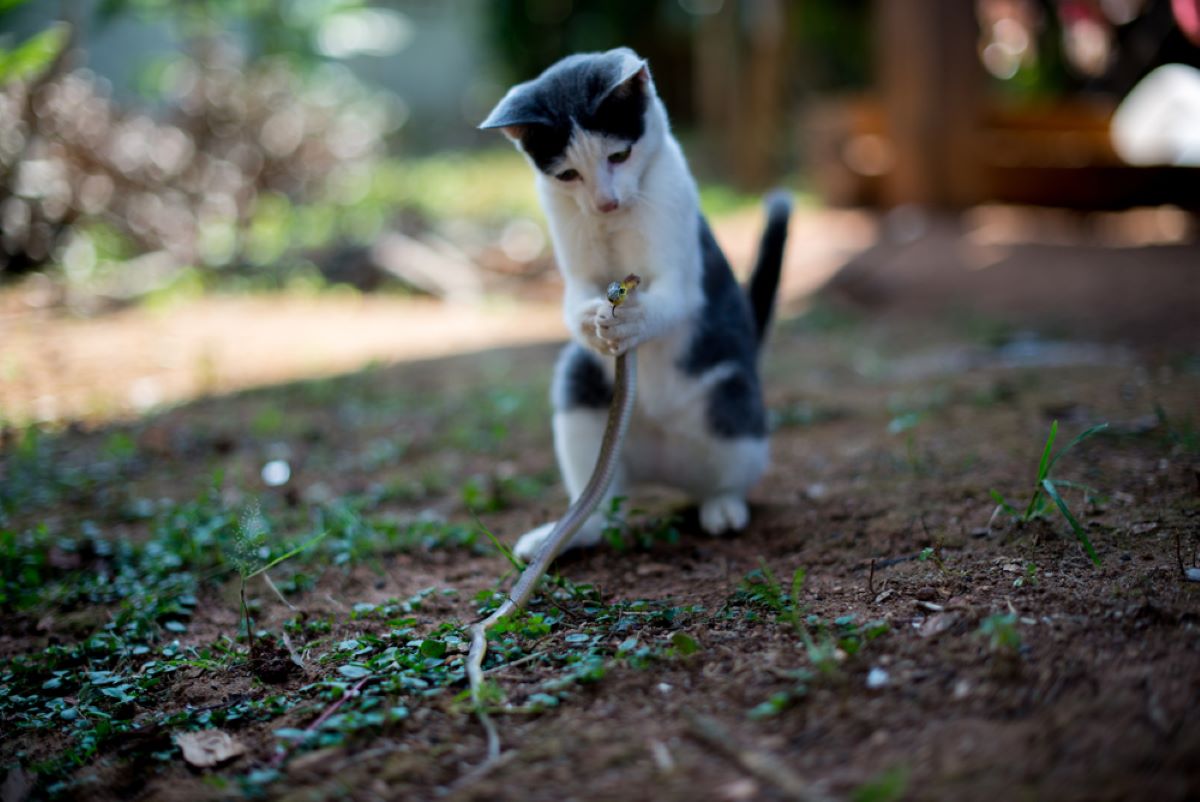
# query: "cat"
{"type": "Point", "coordinates": [619, 198]}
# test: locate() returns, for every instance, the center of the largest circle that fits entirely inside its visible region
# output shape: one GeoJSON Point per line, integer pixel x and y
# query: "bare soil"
{"type": "Point", "coordinates": [905, 395]}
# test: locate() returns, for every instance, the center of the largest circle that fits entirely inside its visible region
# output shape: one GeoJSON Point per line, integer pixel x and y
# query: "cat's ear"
{"type": "Point", "coordinates": [514, 114]}
{"type": "Point", "coordinates": [633, 73]}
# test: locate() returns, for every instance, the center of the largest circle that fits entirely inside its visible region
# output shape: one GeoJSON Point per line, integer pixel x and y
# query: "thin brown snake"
{"type": "Point", "coordinates": [619, 413]}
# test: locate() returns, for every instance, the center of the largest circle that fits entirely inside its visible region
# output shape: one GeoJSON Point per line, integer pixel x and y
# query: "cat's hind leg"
{"type": "Point", "coordinates": [578, 434]}
{"type": "Point", "coordinates": [736, 466]}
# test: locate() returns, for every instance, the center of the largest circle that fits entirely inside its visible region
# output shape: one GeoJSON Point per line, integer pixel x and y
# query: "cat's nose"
{"type": "Point", "coordinates": [609, 206]}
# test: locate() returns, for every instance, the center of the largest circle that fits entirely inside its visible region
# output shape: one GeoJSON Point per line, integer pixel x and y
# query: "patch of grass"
{"type": "Point", "coordinates": [640, 530]}
{"type": "Point", "coordinates": [1182, 434]}
{"type": "Point", "coordinates": [826, 317]}
{"type": "Point", "coordinates": [802, 414]}
{"type": "Point", "coordinates": [827, 645]}
{"type": "Point", "coordinates": [500, 491]}
{"type": "Point", "coordinates": [489, 185]}
{"type": "Point", "coordinates": [1046, 490]}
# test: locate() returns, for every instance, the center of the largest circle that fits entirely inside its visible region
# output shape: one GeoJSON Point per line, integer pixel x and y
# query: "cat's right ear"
{"type": "Point", "coordinates": [513, 114]}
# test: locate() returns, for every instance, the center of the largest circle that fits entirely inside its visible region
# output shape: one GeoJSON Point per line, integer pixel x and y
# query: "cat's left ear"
{"type": "Point", "coordinates": [514, 114]}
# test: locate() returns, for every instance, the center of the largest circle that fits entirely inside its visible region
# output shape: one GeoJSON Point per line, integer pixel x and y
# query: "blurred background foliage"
{"type": "Point", "coordinates": [151, 146]}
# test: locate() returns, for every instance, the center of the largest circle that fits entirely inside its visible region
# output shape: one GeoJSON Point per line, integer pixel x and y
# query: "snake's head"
{"type": "Point", "coordinates": [618, 291]}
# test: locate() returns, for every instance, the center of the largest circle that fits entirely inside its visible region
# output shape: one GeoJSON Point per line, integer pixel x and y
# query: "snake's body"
{"type": "Point", "coordinates": [619, 414]}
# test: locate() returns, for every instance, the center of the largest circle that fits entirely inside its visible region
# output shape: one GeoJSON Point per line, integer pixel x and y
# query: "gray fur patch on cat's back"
{"type": "Point", "coordinates": [725, 337]}
{"type": "Point", "coordinates": [578, 90]}
{"type": "Point", "coordinates": [579, 381]}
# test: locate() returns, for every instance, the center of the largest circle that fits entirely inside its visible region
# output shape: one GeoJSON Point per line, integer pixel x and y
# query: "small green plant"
{"type": "Point", "coordinates": [1001, 633]}
{"type": "Point", "coordinates": [249, 549]}
{"type": "Point", "coordinates": [887, 786]}
{"type": "Point", "coordinates": [1046, 490]}
{"type": "Point", "coordinates": [826, 645]}
{"type": "Point", "coordinates": [1028, 578]}
{"type": "Point", "coordinates": [762, 589]}
{"type": "Point", "coordinates": [906, 423]}
{"type": "Point", "coordinates": [933, 554]}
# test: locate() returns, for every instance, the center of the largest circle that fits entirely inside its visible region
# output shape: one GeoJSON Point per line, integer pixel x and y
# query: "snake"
{"type": "Point", "coordinates": [620, 411]}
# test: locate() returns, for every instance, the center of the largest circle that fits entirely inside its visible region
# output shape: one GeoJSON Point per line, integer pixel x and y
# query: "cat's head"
{"type": "Point", "coordinates": [590, 124]}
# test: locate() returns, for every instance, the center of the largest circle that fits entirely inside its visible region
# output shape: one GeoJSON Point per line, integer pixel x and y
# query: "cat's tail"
{"type": "Point", "coordinates": [764, 281]}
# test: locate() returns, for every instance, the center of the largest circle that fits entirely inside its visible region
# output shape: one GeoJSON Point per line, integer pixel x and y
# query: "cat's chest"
{"type": "Point", "coordinates": [606, 254]}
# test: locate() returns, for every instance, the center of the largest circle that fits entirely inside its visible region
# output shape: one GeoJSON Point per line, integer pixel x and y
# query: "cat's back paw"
{"type": "Point", "coordinates": [722, 514]}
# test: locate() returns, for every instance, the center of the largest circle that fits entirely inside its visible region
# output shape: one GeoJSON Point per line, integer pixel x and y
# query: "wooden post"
{"type": "Point", "coordinates": [931, 83]}
{"type": "Point", "coordinates": [740, 52]}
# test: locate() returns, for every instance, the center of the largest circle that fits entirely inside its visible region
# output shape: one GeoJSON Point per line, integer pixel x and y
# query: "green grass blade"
{"type": "Point", "coordinates": [1079, 439]}
{"type": "Point", "coordinates": [500, 547]}
{"type": "Point", "coordinates": [302, 547]}
{"type": "Point", "coordinates": [798, 578]}
{"type": "Point", "coordinates": [1004, 505]}
{"type": "Point", "coordinates": [1080, 534]}
{"type": "Point", "coordinates": [1043, 467]}
{"type": "Point", "coordinates": [772, 582]}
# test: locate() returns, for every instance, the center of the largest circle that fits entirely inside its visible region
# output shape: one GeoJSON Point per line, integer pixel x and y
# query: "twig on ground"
{"type": "Point", "coordinates": [871, 579]}
{"type": "Point", "coordinates": [762, 765]}
{"type": "Point", "coordinates": [291, 649]}
{"type": "Point", "coordinates": [514, 663]}
{"type": "Point", "coordinates": [271, 584]}
{"type": "Point", "coordinates": [1179, 553]}
{"type": "Point", "coordinates": [281, 755]}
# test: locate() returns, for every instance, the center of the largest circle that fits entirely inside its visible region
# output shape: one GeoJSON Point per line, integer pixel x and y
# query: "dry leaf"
{"type": "Point", "coordinates": [208, 747]}
{"type": "Point", "coordinates": [937, 624]}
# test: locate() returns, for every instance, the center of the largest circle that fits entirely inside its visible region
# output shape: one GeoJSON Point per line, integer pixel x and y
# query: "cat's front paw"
{"type": "Point", "coordinates": [530, 543]}
{"type": "Point", "coordinates": [622, 328]}
{"type": "Point", "coordinates": [587, 324]}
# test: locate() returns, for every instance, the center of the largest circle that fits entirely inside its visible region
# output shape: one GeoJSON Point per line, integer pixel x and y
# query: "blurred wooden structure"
{"type": "Point", "coordinates": [740, 63]}
{"type": "Point", "coordinates": [932, 135]}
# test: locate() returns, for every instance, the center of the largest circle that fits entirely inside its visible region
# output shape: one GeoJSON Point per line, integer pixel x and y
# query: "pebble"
{"type": "Point", "coordinates": [877, 678]}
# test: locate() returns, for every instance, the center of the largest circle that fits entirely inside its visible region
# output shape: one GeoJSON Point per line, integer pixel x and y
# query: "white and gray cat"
{"type": "Point", "coordinates": [620, 198]}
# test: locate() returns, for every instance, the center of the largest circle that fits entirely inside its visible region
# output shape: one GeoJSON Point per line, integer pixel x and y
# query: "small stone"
{"type": "Point", "coordinates": [276, 473]}
{"type": "Point", "coordinates": [926, 594]}
{"type": "Point", "coordinates": [738, 790]}
{"type": "Point", "coordinates": [877, 678]}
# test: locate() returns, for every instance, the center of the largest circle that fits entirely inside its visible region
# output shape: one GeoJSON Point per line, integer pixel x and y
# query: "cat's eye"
{"type": "Point", "coordinates": [620, 156]}
{"type": "Point", "coordinates": [567, 175]}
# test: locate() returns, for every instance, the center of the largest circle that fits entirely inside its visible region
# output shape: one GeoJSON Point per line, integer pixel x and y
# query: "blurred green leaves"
{"type": "Point", "coordinates": [28, 59]}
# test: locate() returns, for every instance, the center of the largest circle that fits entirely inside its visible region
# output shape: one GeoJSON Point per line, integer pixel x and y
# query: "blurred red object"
{"type": "Point", "coordinates": [1187, 14]}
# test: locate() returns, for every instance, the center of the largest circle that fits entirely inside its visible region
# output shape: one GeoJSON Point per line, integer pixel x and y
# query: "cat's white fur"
{"type": "Point", "coordinates": [653, 233]}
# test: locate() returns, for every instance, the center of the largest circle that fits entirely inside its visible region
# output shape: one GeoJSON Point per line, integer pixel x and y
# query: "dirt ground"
{"type": "Point", "coordinates": [934, 646]}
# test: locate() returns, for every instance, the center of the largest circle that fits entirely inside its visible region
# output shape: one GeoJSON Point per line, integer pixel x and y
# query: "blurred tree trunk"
{"type": "Point", "coordinates": [740, 54]}
{"type": "Point", "coordinates": [932, 84]}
